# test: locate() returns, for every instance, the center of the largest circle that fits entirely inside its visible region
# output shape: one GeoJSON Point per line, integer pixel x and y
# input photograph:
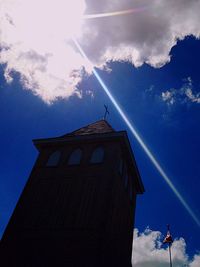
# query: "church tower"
{"type": "Point", "coordinates": [77, 208]}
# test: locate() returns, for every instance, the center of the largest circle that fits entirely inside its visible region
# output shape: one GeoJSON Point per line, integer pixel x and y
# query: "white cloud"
{"type": "Point", "coordinates": [35, 43]}
{"type": "Point", "coordinates": [168, 96]}
{"type": "Point", "coordinates": [191, 96]}
{"type": "Point", "coordinates": [35, 38]}
{"type": "Point", "coordinates": [147, 35]}
{"type": "Point", "coordinates": [148, 251]}
{"type": "Point", "coordinates": [196, 261]}
{"type": "Point", "coordinates": [182, 95]}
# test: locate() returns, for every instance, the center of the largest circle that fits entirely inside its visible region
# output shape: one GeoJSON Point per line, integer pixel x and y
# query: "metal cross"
{"type": "Point", "coordinates": [106, 112]}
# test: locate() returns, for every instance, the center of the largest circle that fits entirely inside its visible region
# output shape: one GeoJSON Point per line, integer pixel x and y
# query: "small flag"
{"type": "Point", "coordinates": [168, 239]}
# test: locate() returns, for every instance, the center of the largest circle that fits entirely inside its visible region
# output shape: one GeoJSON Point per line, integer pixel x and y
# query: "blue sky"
{"type": "Point", "coordinates": [171, 131]}
{"type": "Point", "coordinates": [162, 103]}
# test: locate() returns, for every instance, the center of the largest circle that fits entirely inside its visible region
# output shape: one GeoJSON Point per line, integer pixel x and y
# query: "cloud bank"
{"type": "Point", "coordinates": [36, 38]}
{"type": "Point", "coordinates": [148, 251]}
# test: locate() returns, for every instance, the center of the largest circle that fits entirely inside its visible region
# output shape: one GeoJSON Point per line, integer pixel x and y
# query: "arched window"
{"type": "Point", "coordinates": [97, 155]}
{"type": "Point", "coordinates": [75, 157]}
{"type": "Point", "coordinates": [54, 158]}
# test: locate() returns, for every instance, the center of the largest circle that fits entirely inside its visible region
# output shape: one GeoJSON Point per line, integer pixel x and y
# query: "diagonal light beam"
{"type": "Point", "coordinates": [139, 139]}
{"type": "Point", "coordinates": [116, 13]}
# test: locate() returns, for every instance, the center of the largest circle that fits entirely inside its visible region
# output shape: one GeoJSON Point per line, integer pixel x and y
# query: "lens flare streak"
{"type": "Point", "coordinates": [139, 139]}
{"type": "Point", "coordinates": [116, 13]}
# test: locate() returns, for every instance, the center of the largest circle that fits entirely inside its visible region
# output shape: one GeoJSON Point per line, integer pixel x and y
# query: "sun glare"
{"type": "Point", "coordinates": [36, 23]}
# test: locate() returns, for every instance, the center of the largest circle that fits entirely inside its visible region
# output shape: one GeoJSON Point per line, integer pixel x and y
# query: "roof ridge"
{"type": "Point", "coordinates": [100, 126]}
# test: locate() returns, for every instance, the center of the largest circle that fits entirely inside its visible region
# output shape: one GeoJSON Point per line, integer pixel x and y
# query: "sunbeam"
{"type": "Point", "coordinates": [116, 13]}
{"type": "Point", "coordinates": [139, 139]}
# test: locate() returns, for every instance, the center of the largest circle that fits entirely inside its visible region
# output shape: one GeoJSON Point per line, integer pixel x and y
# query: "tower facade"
{"type": "Point", "coordinates": [77, 208]}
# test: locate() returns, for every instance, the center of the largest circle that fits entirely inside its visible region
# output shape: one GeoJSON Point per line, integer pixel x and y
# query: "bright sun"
{"type": "Point", "coordinates": [41, 21]}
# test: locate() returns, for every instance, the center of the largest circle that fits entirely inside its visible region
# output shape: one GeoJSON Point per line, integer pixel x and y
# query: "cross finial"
{"type": "Point", "coordinates": [106, 112]}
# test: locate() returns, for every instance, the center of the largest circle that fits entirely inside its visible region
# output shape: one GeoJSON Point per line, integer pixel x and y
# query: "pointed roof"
{"type": "Point", "coordinates": [101, 126]}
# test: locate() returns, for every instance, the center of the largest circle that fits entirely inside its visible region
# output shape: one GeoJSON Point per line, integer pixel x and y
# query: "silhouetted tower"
{"type": "Point", "coordinates": [77, 208]}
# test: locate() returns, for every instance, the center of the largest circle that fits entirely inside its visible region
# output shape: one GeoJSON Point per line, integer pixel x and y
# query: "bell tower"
{"type": "Point", "coordinates": [77, 208]}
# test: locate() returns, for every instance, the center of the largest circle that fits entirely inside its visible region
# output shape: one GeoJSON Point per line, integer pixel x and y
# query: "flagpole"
{"type": "Point", "coordinates": [168, 239]}
{"type": "Point", "coordinates": [170, 255]}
